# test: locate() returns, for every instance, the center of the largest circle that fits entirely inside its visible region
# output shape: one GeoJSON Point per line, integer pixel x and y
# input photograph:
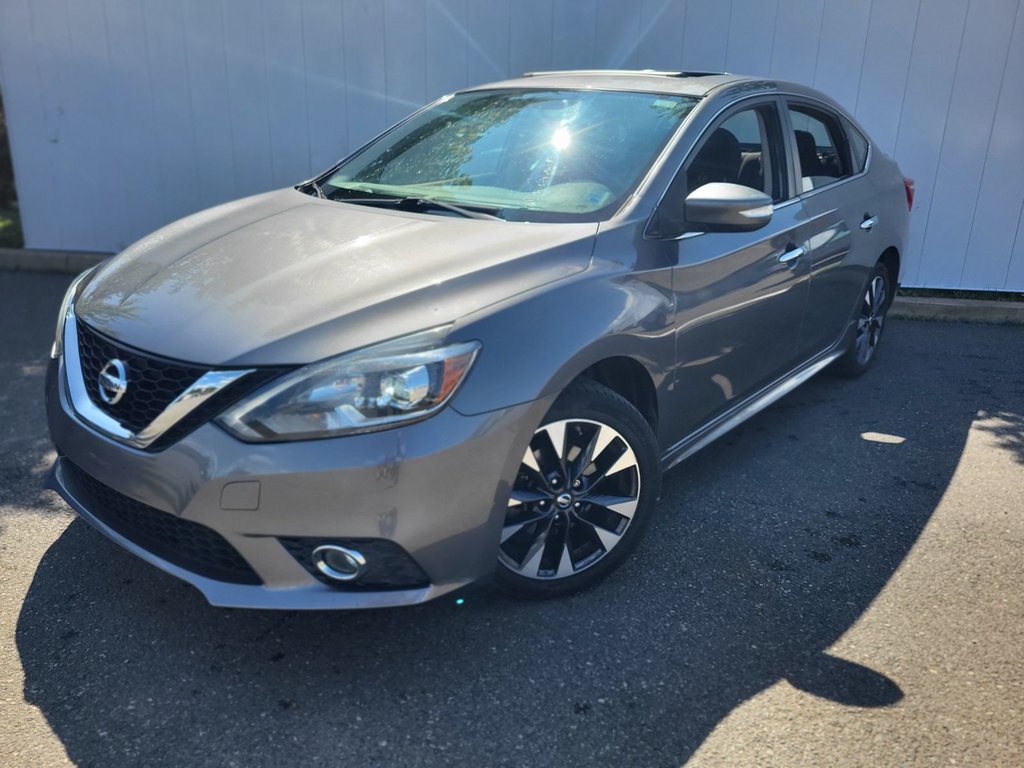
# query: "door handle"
{"type": "Point", "coordinates": [788, 256]}
{"type": "Point", "coordinates": [868, 223]}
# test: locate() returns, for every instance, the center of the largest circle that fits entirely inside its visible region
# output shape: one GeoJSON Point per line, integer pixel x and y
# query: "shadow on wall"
{"type": "Point", "coordinates": [770, 545]}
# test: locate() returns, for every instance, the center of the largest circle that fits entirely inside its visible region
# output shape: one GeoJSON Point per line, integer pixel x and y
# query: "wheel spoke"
{"type": "Point", "coordinates": [525, 496]}
{"type": "Point", "coordinates": [531, 565]}
{"type": "Point", "coordinates": [565, 567]}
{"type": "Point", "coordinates": [607, 538]}
{"type": "Point", "coordinates": [586, 441]}
{"type": "Point", "coordinates": [625, 506]}
{"type": "Point", "coordinates": [556, 432]}
{"type": "Point", "coordinates": [878, 295]}
{"type": "Point", "coordinates": [547, 458]}
{"type": "Point", "coordinates": [554, 547]}
{"type": "Point", "coordinates": [530, 460]}
{"type": "Point", "coordinates": [613, 459]}
{"type": "Point", "coordinates": [511, 529]}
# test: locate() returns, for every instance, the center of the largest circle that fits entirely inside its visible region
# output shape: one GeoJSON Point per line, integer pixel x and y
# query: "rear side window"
{"type": "Point", "coordinates": [858, 147]}
{"type": "Point", "coordinates": [821, 147]}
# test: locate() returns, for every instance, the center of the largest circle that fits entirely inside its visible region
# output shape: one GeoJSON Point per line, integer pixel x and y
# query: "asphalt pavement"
{"type": "Point", "coordinates": [838, 582]}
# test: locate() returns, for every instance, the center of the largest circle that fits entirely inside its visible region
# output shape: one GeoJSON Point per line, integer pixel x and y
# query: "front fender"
{"type": "Point", "coordinates": [535, 344]}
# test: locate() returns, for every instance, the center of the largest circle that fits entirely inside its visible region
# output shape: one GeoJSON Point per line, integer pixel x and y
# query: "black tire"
{"type": "Point", "coordinates": [866, 333]}
{"type": "Point", "coordinates": [593, 420]}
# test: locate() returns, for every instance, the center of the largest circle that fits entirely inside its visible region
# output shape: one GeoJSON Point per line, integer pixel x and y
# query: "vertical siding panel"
{"type": "Point", "coordinates": [706, 34]}
{"type": "Point", "coordinates": [883, 78]}
{"type": "Point", "coordinates": [844, 29]}
{"type": "Point", "coordinates": [488, 40]}
{"type": "Point", "coordinates": [324, 62]}
{"type": "Point", "coordinates": [923, 116]}
{"type": "Point", "coordinates": [1001, 198]}
{"type": "Point", "coordinates": [446, 47]}
{"type": "Point", "coordinates": [530, 36]}
{"type": "Point", "coordinates": [247, 98]}
{"type": "Point", "coordinates": [365, 79]}
{"type": "Point", "coordinates": [24, 111]}
{"type": "Point", "coordinates": [142, 204]}
{"type": "Point", "coordinates": [96, 139]}
{"type": "Point", "coordinates": [750, 37]}
{"type": "Point", "coordinates": [1015, 274]}
{"type": "Point", "coordinates": [405, 57]}
{"type": "Point", "coordinates": [661, 28]}
{"type": "Point", "coordinates": [286, 91]}
{"type": "Point", "coordinates": [573, 24]}
{"type": "Point", "coordinates": [175, 134]}
{"type": "Point", "coordinates": [968, 127]}
{"type": "Point", "coordinates": [211, 119]}
{"type": "Point", "coordinates": [794, 47]}
{"type": "Point", "coordinates": [616, 33]}
{"type": "Point", "coordinates": [51, 40]}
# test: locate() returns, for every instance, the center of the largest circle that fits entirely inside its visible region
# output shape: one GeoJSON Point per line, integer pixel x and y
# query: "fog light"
{"type": "Point", "coordinates": [339, 563]}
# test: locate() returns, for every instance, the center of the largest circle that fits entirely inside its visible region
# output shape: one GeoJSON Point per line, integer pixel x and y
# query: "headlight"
{"type": "Point", "coordinates": [65, 306]}
{"type": "Point", "coordinates": [374, 388]}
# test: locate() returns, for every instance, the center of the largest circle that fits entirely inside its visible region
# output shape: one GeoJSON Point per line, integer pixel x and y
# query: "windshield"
{"type": "Point", "coordinates": [527, 155]}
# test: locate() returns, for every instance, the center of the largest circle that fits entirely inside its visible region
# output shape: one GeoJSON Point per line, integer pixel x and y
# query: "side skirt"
{"type": "Point", "coordinates": [754, 404]}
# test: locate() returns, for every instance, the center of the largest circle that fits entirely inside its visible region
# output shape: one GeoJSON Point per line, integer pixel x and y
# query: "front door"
{"type": "Point", "coordinates": [740, 297]}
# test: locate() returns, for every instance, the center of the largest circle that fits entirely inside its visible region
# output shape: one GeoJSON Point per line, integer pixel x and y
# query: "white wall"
{"type": "Point", "coordinates": [125, 114]}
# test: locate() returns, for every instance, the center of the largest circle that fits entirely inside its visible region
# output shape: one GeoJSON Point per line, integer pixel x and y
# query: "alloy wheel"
{"type": "Point", "coordinates": [872, 315]}
{"type": "Point", "coordinates": [575, 495]}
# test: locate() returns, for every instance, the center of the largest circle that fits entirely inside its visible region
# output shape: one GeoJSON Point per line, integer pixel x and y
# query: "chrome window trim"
{"type": "Point", "coordinates": [201, 390]}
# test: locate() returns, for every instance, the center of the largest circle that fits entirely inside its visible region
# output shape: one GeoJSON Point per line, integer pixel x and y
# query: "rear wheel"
{"type": "Point", "coordinates": [867, 333]}
{"type": "Point", "coordinates": [583, 496]}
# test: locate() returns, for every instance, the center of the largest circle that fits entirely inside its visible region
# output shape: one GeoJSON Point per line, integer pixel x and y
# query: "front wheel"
{"type": "Point", "coordinates": [868, 331]}
{"type": "Point", "coordinates": [583, 496]}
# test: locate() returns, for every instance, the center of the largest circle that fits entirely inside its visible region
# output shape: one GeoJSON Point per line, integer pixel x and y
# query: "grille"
{"type": "Point", "coordinates": [152, 382]}
{"type": "Point", "coordinates": [184, 543]}
{"type": "Point", "coordinates": [388, 566]}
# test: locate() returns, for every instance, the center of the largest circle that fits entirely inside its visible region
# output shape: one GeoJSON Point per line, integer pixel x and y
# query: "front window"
{"type": "Point", "coordinates": [525, 155]}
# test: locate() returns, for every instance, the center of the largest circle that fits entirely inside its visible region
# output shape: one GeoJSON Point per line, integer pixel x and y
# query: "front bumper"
{"type": "Point", "coordinates": [438, 489]}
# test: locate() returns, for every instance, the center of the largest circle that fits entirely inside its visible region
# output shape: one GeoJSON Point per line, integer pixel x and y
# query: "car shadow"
{"type": "Point", "coordinates": [769, 546]}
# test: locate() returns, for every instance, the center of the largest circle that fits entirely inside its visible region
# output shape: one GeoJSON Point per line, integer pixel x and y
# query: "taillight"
{"type": "Point", "coordinates": [908, 185]}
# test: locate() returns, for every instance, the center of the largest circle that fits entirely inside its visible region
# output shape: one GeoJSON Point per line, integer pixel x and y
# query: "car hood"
{"type": "Point", "coordinates": [286, 278]}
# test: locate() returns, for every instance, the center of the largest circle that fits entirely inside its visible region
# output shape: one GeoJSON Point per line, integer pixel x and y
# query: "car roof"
{"type": "Point", "coordinates": [684, 83]}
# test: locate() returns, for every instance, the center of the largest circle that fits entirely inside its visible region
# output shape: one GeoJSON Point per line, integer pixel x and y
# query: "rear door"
{"type": "Point", "coordinates": [841, 203]}
{"type": "Point", "coordinates": [740, 296]}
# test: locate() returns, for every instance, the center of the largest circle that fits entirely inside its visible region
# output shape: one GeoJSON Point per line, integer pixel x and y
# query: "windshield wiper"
{"type": "Point", "coordinates": [422, 202]}
{"type": "Point", "coordinates": [469, 213]}
{"type": "Point", "coordinates": [316, 188]}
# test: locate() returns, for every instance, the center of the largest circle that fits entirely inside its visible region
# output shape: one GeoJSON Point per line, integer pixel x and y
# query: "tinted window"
{"type": "Point", "coordinates": [743, 149]}
{"type": "Point", "coordinates": [821, 148]}
{"type": "Point", "coordinates": [858, 147]}
{"type": "Point", "coordinates": [532, 154]}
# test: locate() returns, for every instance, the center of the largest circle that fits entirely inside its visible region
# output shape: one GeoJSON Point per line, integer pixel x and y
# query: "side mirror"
{"type": "Point", "coordinates": [721, 207]}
